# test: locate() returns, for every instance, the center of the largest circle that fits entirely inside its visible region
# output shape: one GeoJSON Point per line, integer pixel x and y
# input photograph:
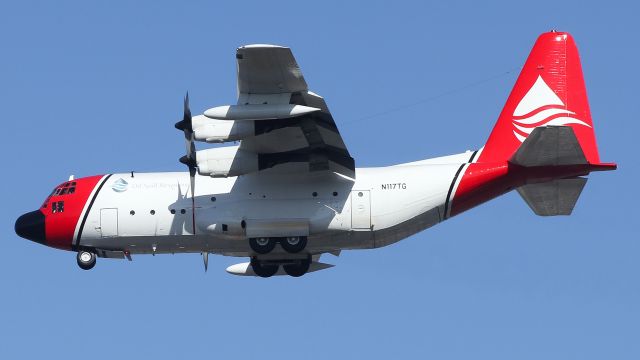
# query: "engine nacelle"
{"type": "Point", "coordinates": [258, 111]}
{"type": "Point", "coordinates": [226, 161]}
{"type": "Point", "coordinates": [217, 131]}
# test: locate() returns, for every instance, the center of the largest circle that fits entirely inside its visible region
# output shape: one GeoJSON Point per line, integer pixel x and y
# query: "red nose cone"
{"type": "Point", "coordinates": [63, 211]}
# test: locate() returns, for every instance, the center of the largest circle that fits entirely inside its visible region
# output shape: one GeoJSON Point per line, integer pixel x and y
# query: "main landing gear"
{"type": "Point", "coordinates": [293, 267]}
{"type": "Point", "coordinates": [86, 260]}
{"type": "Point", "coordinates": [290, 244]}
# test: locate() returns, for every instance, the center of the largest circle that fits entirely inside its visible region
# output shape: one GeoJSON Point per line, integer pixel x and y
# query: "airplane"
{"type": "Point", "coordinates": [290, 191]}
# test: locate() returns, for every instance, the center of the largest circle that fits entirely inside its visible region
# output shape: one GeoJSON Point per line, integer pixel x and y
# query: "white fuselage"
{"type": "Point", "coordinates": [154, 212]}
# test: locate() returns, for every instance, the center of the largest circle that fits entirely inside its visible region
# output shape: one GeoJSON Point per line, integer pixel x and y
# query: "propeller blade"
{"type": "Point", "coordinates": [186, 125]}
{"type": "Point", "coordinates": [187, 110]}
{"type": "Point", "coordinates": [192, 177]}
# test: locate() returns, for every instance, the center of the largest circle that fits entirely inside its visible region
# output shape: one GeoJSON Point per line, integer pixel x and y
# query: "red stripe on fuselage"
{"type": "Point", "coordinates": [479, 183]}
{"type": "Point", "coordinates": [482, 182]}
{"type": "Point", "coordinates": [60, 226]}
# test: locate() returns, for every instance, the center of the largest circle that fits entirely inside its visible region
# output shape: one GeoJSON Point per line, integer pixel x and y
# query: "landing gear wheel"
{"type": "Point", "coordinates": [299, 268]}
{"type": "Point", "coordinates": [293, 244]}
{"type": "Point", "coordinates": [263, 270]}
{"type": "Point", "coordinates": [86, 260]}
{"type": "Point", "coordinates": [262, 245]}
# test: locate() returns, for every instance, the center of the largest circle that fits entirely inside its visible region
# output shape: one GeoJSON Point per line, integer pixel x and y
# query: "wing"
{"type": "Point", "coordinates": [269, 74]}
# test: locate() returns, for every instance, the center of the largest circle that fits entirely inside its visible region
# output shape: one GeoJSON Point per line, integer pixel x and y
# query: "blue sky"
{"type": "Point", "coordinates": [95, 87]}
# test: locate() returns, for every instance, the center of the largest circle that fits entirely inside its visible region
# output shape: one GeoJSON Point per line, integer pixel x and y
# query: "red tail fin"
{"type": "Point", "coordinates": [549, 91]}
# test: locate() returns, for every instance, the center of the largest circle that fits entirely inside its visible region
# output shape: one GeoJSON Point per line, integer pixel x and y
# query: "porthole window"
{"type": "Point", "coordinates": [360, 194]}
{"type": "Point", "coordinates": [152, 212]}
{"type": "Point", "coordinates": [335, 193]}
{"type": "Point", "coordinates": [314, 194]}
{"type": "Point", "coordinates": [213, 198]}
{"type": "Point", "coordinates": [132, 212]}
{"type": "Point", "coordinates": [173, 211]}
{"type": "Point", "coordinates": [182, 211]}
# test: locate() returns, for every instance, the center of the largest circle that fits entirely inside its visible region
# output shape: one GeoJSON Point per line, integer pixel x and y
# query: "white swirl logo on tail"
{"type": "Point", "coordinates": [541, 107]}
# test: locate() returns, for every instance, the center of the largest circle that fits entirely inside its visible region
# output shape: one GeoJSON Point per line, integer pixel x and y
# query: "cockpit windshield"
{"type": "Point", "coordinates": [66, 188]}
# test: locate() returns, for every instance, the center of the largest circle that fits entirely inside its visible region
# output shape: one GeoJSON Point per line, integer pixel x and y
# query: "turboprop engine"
{"type": "Point", "coordinates": [226, 161]}
{"type": "Point", "coordinates": [218, 131]}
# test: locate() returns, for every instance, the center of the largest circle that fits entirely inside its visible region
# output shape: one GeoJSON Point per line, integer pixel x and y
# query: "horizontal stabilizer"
{"type": "Point", "coordinates": [556, 197]}
{"type": "Point", "coordinates": [549, 146]}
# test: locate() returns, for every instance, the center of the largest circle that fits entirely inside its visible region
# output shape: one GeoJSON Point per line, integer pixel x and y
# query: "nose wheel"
{"type": "Point", "coordinates": [86, 260]}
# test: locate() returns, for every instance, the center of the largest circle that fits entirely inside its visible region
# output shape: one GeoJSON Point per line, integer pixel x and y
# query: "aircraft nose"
{"type": "Point", "coordinates": [31, 226]}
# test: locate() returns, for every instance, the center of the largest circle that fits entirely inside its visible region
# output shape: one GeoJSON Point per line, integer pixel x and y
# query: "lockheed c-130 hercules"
{"type": "Point", "coordinates": [290, 191]}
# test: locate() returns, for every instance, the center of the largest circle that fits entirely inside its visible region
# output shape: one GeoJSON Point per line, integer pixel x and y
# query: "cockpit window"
{"type": "Point", "coordinates": [57, 207]}
{"type": "Point", "coordinates": [67, 188]}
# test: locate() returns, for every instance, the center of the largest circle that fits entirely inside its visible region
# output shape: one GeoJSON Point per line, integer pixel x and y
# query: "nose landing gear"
{"type": "Point", "coordinates": [86, 260]}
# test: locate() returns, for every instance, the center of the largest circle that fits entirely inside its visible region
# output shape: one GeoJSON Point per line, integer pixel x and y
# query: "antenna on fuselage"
{"type": "Point", "coordinates": [205, 258]}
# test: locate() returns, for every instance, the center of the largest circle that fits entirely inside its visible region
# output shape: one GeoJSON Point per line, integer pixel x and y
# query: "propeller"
{"type": "Point", "coordinates": [186, 125]}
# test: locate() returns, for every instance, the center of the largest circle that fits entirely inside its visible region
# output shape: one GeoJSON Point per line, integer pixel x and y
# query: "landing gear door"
{"type": "Point", "coordinates": [109, 222]}
{"type": "Point", "coordinates": [360, 209]}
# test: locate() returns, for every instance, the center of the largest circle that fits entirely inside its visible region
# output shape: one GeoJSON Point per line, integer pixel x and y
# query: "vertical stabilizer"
{"type": "Point", "coordinates": [550, 91]}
